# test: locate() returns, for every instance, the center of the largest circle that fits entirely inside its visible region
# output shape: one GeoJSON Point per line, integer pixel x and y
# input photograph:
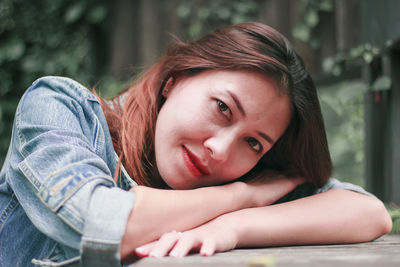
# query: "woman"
{"type": "Point", "coordinates": [231, 122]}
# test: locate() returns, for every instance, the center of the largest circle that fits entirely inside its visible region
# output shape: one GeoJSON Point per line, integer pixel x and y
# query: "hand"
{"type": "Point", "coordinates": [206, 239]}
{"type": "Point", "coordinates": [268, 187]}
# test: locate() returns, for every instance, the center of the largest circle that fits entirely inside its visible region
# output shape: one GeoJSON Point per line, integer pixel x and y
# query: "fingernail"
{"type": "Point", "coordinates": [141, 252]}
{"type": "Point", "coordinates": [205, 253]}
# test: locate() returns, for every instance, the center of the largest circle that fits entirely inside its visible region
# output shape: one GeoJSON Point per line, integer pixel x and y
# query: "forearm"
{"type": "Point", "coordinates": [336, 216]}
{"type": "Point", "coordinates": [185, 209]}
{"type": "Point", "coordinates": [158, 211]}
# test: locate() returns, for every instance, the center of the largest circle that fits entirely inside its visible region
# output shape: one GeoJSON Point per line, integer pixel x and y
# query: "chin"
{"type": "Point", "coordinates": [173, 183]}
{"type": "Point", "coordinates": [180, 186]}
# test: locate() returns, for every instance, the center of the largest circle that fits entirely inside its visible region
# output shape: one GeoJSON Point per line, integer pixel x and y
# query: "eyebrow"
{"type": "Point", "coordinates": [238, 104]}
{"type": "Point", "coordinates": [241, 110]}
{"type": "Point", "coordinates": [267, 138]}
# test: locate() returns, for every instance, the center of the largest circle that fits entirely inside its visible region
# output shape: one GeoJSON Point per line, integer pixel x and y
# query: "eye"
{"type": "Point", "coordinates": [224, 109]}
{"type": "Point", "coordinates": [254, 144]}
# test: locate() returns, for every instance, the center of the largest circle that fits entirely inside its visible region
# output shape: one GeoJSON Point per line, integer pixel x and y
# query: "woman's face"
{"type": "Point", "coordinates": [215, 126]}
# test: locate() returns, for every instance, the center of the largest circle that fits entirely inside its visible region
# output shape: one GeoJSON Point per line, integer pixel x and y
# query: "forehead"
{"type": "Point", "coordinates": [258, 89]}
{"type": "Point", "coordinates": [243, 79]}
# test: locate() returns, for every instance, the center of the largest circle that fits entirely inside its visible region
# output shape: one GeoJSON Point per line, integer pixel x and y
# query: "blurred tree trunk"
{"type": "Point", "coordinates": [327, 38]}
{"type": "Point", "coordinates": [348, 23]}
{"type": "Point", "coordinates": [305, 50]}
{"type": "Point", "coordinates": [175, 24]}
{"type": "Point", "coordinates": [149, 30]}
{"type": "Point", "coordinates": [283, 15]}
{"type": "Point", "coordinates": [380, 28]}
{"type": "Point", "coordinates": [139, 33]}
{"type": "Point", "coordinates": [124, 37]}
{"type": "Point", "coordinates": [277, 14]}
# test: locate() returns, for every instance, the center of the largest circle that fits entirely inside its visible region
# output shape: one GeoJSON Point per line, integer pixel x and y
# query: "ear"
{"type": "Point", "coordinates": [168, 87]}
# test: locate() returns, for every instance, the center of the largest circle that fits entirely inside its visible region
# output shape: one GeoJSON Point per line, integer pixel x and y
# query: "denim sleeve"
{"type": "Point", "coordinates": [307, 189]}
{"type": "Point", "coordinates": [336, 184]}
{"type": "Point", "coordinates": [62, 180]}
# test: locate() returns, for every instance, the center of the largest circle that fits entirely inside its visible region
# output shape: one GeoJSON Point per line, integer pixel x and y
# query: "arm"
{"type": "Point", "coordinates": [159, 211]}
{"type": "Point", "coordinates": [335, 216]}
{"type": "Point", "coordinates": [61, 172]}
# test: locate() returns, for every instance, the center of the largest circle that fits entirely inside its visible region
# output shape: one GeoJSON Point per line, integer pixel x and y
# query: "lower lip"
{"type": "Point", "coordinates": [190, 165]}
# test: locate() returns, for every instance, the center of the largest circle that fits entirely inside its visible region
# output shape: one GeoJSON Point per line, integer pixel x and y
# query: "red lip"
{"type": "Point", "coordinates": [193, 163]}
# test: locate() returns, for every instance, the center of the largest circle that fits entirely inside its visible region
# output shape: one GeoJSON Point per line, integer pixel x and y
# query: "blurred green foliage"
{"type": "Point", "coordinates": [342, 107]}
{"type": "Point", "coordinates": [394, 212]}
{"type": "Point", "coordinates": [355, 57]}
{"type": "Point", "coordinates": [43, 37]}
{"type": "Point", "coordinates": [207, 15]}
{"type": "Point", "coordinates": [309, 11]}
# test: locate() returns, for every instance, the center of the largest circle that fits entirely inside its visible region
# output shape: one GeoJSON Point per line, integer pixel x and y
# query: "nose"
{"type": "Point", "coordinates": [220, 146]}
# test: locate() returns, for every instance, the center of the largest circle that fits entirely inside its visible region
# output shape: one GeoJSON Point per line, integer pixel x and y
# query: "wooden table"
{"type": "Point", "coordinates": [383, 252]}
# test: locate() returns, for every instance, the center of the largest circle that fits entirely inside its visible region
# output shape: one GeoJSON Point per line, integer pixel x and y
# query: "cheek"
{"type": "Point", "coordinates": [181, 122]}
{"type": "Point", "coordinates": [241, 163]}
{"type": "Point", "coordinates": [196, 122]}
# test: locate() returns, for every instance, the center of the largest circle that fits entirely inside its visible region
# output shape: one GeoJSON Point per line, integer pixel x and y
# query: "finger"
{"type": "Point", "coordinates": [184, 245]}
{"type": "Point", "coordinates": [144, 251]}
{"type": "Point", "coordinates": [208, 248]}
{"type": "Point", "coordinates": [165, 244]}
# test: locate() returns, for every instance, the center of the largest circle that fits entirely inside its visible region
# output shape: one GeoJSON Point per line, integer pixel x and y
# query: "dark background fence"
{"type": "Point", "coordinates": [381, 27]}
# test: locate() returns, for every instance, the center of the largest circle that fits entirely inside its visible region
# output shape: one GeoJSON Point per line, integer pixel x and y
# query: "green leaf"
{"type": "Point", "coordinates": [394, 213]}
{"type": "Point", "coordinates": [223, 13]}
{"type": "Point", "coordinates": [183, 11]}
{"type": "Point", "coordinates": [327, 64]}
{"type": "Point", "coordinates": [356, 51]}
{"type": "Point", "coordinates": [74, 12]}
{"type": "Point", "coordinates": [368, 56]}
{"type": "Point", "coordinates": [337, 70]}
{"type": "Point", "coordinates": [375, 50]}
{"type": "Point", "coordinates": [301, 32]}
{"type": "Point", "coordinates": [195, 29]}
{"type": "Point", "coordinates": [236, 19]}
{"type": "Point", "coordinates": [326, 5]}
{"type": "Point", "coordinates": [395, 227]}
{"type": "Point", "coordinates": [204, 12]}
{"type": "Point", "coordinates": [97, 14]}
{"type": "Point", "coordinates": [311, 18]}
{"type": "Point", "coordinates": [6, 83]}
{"type": "Point", "coordinates": [12, 50]}
{"type": "Point", "coordinates": [383, 83]}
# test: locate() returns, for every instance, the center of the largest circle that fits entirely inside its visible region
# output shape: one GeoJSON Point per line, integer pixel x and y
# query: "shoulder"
{"type": "Point", "coordinates": [62, 85]}
{"type": "Point", "coordinates": [57, 102]}
{"type": "Point", "coordinates": [60, 109]}
{"type": "Point", "coordinates": [55, 96]}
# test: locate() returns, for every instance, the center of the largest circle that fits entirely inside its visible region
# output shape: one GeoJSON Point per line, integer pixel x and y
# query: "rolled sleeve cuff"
{"type": "Point", "coordinates": [105, 225]}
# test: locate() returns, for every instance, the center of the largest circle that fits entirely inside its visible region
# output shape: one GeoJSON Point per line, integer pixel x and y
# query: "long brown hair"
{"type": "Point", "coordinates": [301, 151]}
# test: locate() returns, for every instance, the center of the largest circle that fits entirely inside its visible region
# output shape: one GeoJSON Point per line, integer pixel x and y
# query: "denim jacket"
{"type": "Point", "coordinates": [59, 205]}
